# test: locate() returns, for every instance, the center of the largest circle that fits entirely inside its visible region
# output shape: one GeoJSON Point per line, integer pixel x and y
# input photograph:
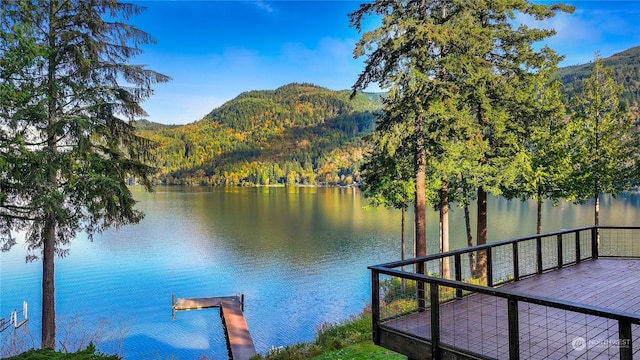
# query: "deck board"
{"type": "Point", "coordinates": [238, 336]}
{"type": "Point", "coordinates": [201, 303]}
{"type": "Point", "coordinates": [479, 322]}
{"type": "Point", "coordinates": [239, 341]}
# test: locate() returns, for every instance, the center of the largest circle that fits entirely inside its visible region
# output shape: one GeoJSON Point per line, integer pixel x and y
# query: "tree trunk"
{"type": "Point", "coordinates": [420, 203]}
{"type": "Point", "coordinates": [403, 281]}
{"type": "Point", "coordinates": [444, 194]}
{"type": "Point", "coordinates": [596, 209]}
{"type": "Point", "coordinates": [444, 228]}
{"type": "Point", "coordinates": [402, 221]}
{"type": "Point", "coordinates": [48, 289]}
{"type": "Point", "coordinates": [420, 210]}
{"type": "Point", "coordinates": [596, 215]}
{"type": "Point", "coordinates": [481, 270]}
{"type": "Point", "coordinates": [472, 255]}
{"type": "Point", "coordinates": [539, 213]}
{"type": "Point", "coordinates": [49, 241]}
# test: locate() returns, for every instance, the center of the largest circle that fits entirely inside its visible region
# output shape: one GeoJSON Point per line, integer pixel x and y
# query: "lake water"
{"type": "Point", "coordinates": [299, 255]}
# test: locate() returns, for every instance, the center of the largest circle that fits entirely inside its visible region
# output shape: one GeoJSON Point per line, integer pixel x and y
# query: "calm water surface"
{"type": "Point", "coordinates": [299, 255]}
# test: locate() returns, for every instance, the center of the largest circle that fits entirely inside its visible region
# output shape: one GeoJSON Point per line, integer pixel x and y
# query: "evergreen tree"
{"type": "Point", "coordinates": [501, 68]}
{"type": "Point", "coordinates": [459, 70]}
{"type": "Point", "coordinates": [546, 144]}
{"type": "Point", "coordinates": [605, 148]}
{"type": "Point", "coordinates": [68, 134]}
{"type": "Point", "coordinates": [405, 54]}
{"type": "Point", "coordinates": [388, 177]}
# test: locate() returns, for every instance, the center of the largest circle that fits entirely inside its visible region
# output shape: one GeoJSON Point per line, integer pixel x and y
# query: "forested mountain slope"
{"type": "Point", "coordinates": [626, 71]}
{"type": "Point", "coordinates": [302, 133]}
{"type": "Point", "coordinates": [296, 134]}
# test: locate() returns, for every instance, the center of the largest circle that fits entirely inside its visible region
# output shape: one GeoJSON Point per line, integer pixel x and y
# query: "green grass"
{"type": "Point", "coordinates": [41, 354]}
{"type": "Point", "coordinates": [361, 351]}
{"type": "Point", "coordinates": [348, 340]}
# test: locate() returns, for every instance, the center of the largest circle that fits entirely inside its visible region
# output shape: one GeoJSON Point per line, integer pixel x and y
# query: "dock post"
{"type": "Point", "coordinates": [173, 306]}
{"type": "Point", "coordinates": [242, 302]}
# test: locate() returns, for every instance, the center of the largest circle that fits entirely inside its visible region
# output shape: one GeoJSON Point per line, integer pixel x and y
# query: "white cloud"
{"type": "Point", "coordinates": [181, 107]}
{"type": "Point", "coordinates": [264, 6]}
{"type": "Point", "coordinates": [591, 28]}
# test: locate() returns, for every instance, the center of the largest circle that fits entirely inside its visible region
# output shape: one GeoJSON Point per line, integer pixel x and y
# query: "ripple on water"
{"type": "Point", "coordinates": [300, 257]}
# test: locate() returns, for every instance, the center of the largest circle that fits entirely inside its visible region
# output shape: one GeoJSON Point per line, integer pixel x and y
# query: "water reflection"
{"type": "Point", "coordinates": [300, 256]}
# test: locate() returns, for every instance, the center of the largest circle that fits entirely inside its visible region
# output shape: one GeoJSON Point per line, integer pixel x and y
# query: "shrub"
{"type": "Point", "coordinates": [46, 354]}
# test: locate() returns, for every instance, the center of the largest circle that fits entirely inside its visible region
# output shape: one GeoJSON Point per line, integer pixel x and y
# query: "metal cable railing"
{"type": "Point", "coordinates": [511, 324]}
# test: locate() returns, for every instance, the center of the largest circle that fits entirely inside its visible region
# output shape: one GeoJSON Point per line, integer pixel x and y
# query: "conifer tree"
{"type": "Point", "coordinates": [459, 69]}
{"type": "Point", "coordinates": [546, 140]}
{"type": "Point", "coordinates": [605, 148]}
{"type": "Point", "coordinates": [388, 177]}
{"type": "Point", "coordinates": [68, 136]}
{"type": "Point", "coordinates": [503, 67]}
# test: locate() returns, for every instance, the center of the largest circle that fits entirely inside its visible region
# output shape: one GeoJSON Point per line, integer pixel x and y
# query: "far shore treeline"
{"type": "Point", "coordinates": [298, 134]}
{"type": "Point", "coordinates": [303, 134]}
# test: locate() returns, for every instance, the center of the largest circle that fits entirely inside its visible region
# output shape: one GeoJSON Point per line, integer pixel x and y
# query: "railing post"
{"type": "Point", "coordinates": [594, 242]}
{"type": "Point", "coordinates": [489, 267]}
{"type": "Point", "coordinates": [516, 262]}
{"type": "Point", "coordinates": [435, 320]}
{"type": "Point", "coordinates": [458, 270]}
{"type": "Point", "coordinates": [514, 329]}
{"type": "Point", "coordinates": [559, 249]}
{"type": "Point", "coordinates": [578, 256]}
{"type": "Point", "coordinates": [375, 305]}
{"type": "Point", "coordinates": [421, 269]}
{"type": "Point", "coordinates": [539, 255]}
{"type": "Point", "coordinates": [624, 334]}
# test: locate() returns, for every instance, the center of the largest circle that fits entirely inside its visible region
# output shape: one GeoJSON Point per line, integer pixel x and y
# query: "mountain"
{"type": "Point", "coordinates": [626, 71]}
{"type": "Point", "coordinates": [302, 133]}
{"type": "Point", "coordinates": [296, 134]}
{"type": "Point", "coordinates": [150, 125]}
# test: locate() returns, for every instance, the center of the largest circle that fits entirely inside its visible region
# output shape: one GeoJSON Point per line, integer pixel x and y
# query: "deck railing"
{"type": "Point", "coordinates": [399, 292]}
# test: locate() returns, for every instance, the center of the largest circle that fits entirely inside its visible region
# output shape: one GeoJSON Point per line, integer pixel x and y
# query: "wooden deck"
{"type": "Point", "coordinates": [479, 323]}
{"type": "Point", "coordinates": [239, 341]}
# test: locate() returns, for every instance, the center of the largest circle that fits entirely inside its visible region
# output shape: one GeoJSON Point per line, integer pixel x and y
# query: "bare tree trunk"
{"type": "Point", "coordinates": [596, 215]}
{"type": "Point", "coordinates": [420, 209]}
{"type": "Point", "coordinates": [420, 204]}
{"type": "Point", "coordinates": [403, 281]}
{"type": "Point", "coordinates": [402, 222]}
{"type": "Point", "coordinates": [444, 192]}
{"type": "Point", "coordinates": [596, 209]}
{"type": "Point", "coordinates": [415, 269]}
{"type": "Point", "coordinates": [444, 228]}
{"type": "Point", "coordinates": [482, 233]}
{"type": "Point", "coordinates": [48, 289]}
{"type": "Point", "coordinates": [539, 213]}
{"type": "Point", "coordinates": [472, 254]}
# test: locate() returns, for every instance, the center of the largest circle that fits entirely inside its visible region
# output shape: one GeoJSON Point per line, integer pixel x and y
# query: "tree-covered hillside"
{"type": "Point", "coordinates": [302, 133]}
{"type": "Point", "coordinates": [296, 134]}
{"type": "Point", "coordinates": [626, 71]}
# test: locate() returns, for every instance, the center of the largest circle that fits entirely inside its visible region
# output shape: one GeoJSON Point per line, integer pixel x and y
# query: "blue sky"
{"type": "Point", "coordinates": [214, 50]}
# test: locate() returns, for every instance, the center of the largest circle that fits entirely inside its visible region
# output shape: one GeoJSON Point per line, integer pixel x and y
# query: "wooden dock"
{"type": "Point", "coordinates": [239, 341]}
